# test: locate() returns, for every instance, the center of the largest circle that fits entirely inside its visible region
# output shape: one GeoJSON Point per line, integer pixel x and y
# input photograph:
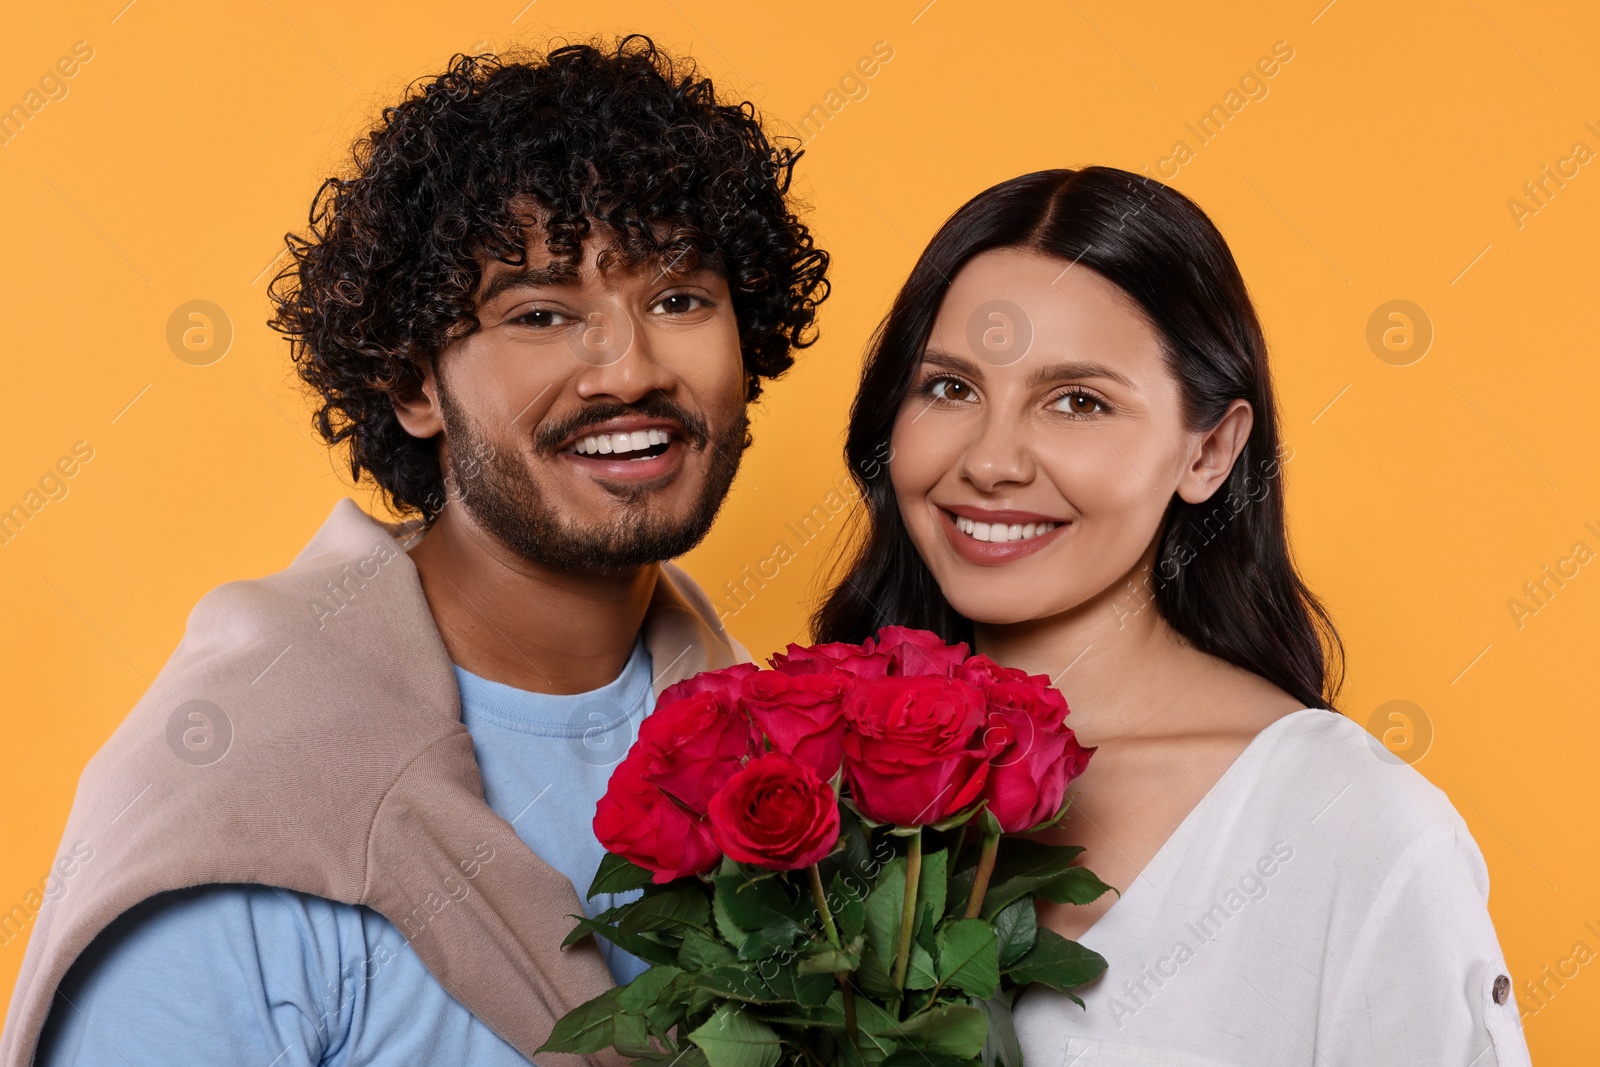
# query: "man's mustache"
{"type": "Point", "coordinates": [551, 437]}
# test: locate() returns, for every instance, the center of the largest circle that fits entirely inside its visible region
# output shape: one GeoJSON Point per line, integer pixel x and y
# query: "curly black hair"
{"type": "Point", "coordinates": [623, 136]}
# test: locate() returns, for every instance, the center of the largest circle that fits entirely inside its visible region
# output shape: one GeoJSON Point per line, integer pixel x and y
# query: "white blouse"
{"type": "Point", "coordinates": [1324, 904]}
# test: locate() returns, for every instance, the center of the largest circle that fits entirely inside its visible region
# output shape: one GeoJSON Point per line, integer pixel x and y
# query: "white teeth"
{"type": "Point", "coordinates": [1000, 532]}
{"type": "Point", "coordinates": [606, 444]}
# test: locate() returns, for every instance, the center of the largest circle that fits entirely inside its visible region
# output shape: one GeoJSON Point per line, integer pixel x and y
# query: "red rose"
{"type": "Point", "coordinates": [912, 749]}
{"type": "Point", "coordinates": [695, 742]}
{"type": "Point", "coordinates": [983, 672]}
{"type": "Point", "coordinates": [638, 821]}
{"type": "Point", "coordinates": [1035, 754]}
{"type": "Point", "coordinates": [802, 715]}
{"type": "Point", "coordinates": [726, 681]}
{"type": "Point", "coordinates": [858, 661]}
{"type": "Point", "coordinates": [915, 653]}
{"type": "Point", "coordinates": [775, 813]}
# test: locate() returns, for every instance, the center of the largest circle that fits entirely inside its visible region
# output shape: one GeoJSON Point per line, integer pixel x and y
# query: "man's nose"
{"type": "Point", "coordinates": [616, 358]}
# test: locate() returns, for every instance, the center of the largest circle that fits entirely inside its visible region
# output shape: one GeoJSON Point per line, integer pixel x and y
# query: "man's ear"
{"type": "Point", "coordinates": [418, 408]}
{"type": "Point", "coordinates": [1215, 452]}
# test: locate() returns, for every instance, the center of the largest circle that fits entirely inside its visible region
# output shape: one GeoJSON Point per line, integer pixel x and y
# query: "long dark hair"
{"type": "Point", "coordinates": [1223, 578]}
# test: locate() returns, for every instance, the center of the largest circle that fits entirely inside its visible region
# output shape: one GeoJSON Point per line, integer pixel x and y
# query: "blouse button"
{"type": "Point", "coordinates": [1502, 986]}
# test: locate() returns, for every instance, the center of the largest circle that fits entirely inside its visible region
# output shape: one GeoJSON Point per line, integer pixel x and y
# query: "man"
{"type": "Point", "coordinates": [348, 821]}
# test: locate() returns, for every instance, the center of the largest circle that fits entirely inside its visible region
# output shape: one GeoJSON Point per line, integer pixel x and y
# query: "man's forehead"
{"type": "Point", "coordinates": [603, 252]}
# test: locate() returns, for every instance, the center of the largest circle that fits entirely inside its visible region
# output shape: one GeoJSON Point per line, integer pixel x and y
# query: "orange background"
{"type": "Point", "coordinates": [1377, 167]}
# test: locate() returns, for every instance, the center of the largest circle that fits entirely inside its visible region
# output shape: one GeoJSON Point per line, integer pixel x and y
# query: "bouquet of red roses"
{"type": "Point", "coordinates": [828, 869]}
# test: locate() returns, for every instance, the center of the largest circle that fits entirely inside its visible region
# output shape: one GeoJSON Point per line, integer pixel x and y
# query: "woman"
{"type": "Point", "coordinates": [1085, 481]}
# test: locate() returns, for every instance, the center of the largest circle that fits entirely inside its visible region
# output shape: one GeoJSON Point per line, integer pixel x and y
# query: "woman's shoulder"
{"type": "Point", "coordinates": [1318, 776]}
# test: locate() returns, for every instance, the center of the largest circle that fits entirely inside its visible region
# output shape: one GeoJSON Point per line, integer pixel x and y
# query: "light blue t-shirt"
{"type": "Point", "coordinates": [255, 976]}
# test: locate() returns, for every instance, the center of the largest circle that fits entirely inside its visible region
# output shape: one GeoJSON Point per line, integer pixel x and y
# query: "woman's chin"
{"type": "Point", "coordinates": [988, 610]}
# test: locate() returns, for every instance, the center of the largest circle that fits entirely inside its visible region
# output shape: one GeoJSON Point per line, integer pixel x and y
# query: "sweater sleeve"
{"type": "Point", "coordinates": [1425, 981]}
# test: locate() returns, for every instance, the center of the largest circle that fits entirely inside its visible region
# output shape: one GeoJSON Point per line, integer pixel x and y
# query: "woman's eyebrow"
{"type": "Point", "coordinates": [950, 361]}
{"type": "Point", "coordinates": [1052, 372]}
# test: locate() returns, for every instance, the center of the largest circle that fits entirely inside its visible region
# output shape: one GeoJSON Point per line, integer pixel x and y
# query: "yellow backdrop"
{"type": "Point", "coordinates": [1407, 188]}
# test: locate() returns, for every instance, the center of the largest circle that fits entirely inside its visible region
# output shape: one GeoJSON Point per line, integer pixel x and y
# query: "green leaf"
{"type": "Point", "coordinates": [883, 909]}
{"type": "Point", "coordinates": [789, 984]}
{"type": "Point", "coordinates": [764, 943]}
{"type": "Point", "coordinates": [617, 875]}
{"type": "Point", "coordinates": [873, 1022]}
{"type": "Point", "coordinates": [920, 970]}
{"type": "Point", "coordinates": [1001, 1049]}
{"type": "Point", "coordinates": [1057, 962]}
{"type": "Point", "coordinates": [647, 949]}
{"type": "Point", "coordinates": [587, 1028]}
{"type": "Point", "coordinates": [1077, 886]}
{"type": "Point", "coordinates": [915, 1057]}
{"type": "Point", "coordinates": [1022, 868]}
{"type": "Point", "coordinates": [1016, 928]}
{"type": "Point", "coordinates": [673, 1056]}
{"type": "Point", "coordinates": [631, 1036]}
{"type": "Point", "coordinates": [734, 983]}
{"type": "Point", "coordinates": [960, 818]}
{"type": "Point", "coordinates": [681, 906]}
{"type": "Point", "coordinates": [873, 977]}
{"type": "Point", "coordinates": [932, 883]}
{"type": "Point", "coordinates": [648, 996]}
{"type": "Point", "coordinates": [960, 889]}
{"type": "Point", "coordinates": [700, 951]}
{"type": "Point", "coordinates": [953, 1029]}
{"type": "Point", "coordinates": [732, 1037]}
{"type": "Point", "coordinates": [969, 957]}
{"type": "Point", "coordinates": [849, 908]}
{"type": "Point", "coordinates": [823, 958]}
{"type": "Point", "coordinates": [754, 905]}
{"type": "Point", "coordinates": [828, 1015]}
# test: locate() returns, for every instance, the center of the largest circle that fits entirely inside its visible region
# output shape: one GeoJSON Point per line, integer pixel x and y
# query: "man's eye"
{"type": "Point", "coordinates": [543, 318]}
{"type": "Point", "coordinates": [679, 303]}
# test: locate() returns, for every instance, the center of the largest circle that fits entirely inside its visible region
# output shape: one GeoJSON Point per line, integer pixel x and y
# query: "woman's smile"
{"type": "Point", "coordinates": [988, 538]}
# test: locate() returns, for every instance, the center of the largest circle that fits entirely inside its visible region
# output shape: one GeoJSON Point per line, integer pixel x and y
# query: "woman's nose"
{"type": "Point", "coordinates": [1000, 455]}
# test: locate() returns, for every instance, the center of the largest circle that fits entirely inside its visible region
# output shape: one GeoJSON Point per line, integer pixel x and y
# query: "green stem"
{"type": "Point", "coordinates": [980, 880]}
{"type": "Point", "coordinates": [846, 991]}
{"type": "Point", "coordinates": [821, 898]}
{"type": "Point", "coordinates": [908, 910]}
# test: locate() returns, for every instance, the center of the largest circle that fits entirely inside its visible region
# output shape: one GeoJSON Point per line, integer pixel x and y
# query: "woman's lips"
{"type": "Point", "coordinates": [989, 553]}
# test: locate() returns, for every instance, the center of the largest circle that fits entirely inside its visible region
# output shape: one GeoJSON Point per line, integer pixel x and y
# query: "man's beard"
{"type": "Point", "coordinates": [493, 484]}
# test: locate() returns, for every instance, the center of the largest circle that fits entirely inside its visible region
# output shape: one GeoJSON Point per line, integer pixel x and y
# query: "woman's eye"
{"type": "Point", "coordinates": [679, 303]}
{"type": "Point", "coordinates": [950, 389]}
{"type": "Point", "coordinates": [1078, 402]}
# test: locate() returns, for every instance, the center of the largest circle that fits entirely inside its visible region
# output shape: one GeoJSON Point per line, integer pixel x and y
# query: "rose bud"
{"type": "Point", "coordinates": [858, 661]}
{"type": "Point", "coordinates": [916, 653]}
{"type": "Point", "coordinates": [912, 748]}
{"type": "Point", "coordinates": [775, 813]}
{"type": "Point", "coordinates": [1035, 753]}
{"type": "Point", "coordinates": [639, 822]}
{"type": "Point", "coordinates": [694, 743]}
{"type": "Point", "coordinates": [802, 715]}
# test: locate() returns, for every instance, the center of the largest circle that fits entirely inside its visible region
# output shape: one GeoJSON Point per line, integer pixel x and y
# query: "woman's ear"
{"type": "Point", "coordinates": [418, 408]}
{"type": "Point", "coordinates": [1215, 452]}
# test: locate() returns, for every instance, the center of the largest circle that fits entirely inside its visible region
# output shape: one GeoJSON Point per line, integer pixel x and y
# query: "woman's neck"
{"type": "Point", "coordinates": [1120, 665]}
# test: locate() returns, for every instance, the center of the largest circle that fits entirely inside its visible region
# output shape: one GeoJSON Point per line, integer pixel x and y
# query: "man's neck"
{"type": "Point", "coordinates": [524, 624]}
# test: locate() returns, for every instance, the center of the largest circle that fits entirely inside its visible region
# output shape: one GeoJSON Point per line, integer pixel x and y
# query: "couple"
{"type": "Point", "coordinates": [350, 818]}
